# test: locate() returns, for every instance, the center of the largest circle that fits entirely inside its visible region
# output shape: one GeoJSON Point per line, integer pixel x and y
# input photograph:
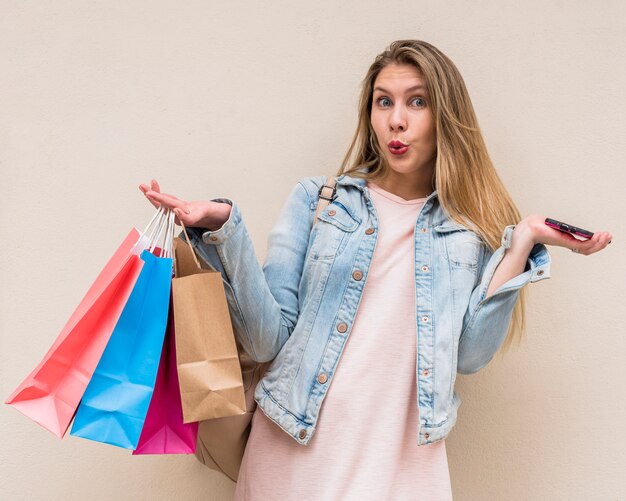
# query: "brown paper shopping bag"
{"type": "Point", "coordinates": [209, 370]}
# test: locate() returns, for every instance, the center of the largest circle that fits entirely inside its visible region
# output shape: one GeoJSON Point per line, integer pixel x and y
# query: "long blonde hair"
{"type": "Point", "coordinates": [468, 186]}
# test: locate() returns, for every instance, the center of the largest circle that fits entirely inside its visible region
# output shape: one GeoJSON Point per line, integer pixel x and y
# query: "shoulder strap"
{"type": "Point", "coordinates": [326, 194]}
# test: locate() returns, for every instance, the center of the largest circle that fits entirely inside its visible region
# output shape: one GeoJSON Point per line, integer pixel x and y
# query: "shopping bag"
{"type": "Point", "coordinates": [164, 431]}
{"type": "Point", "coordinates": [115, 403]}
{"type": "Point", "coordinates": [51, 392]}
{"type": "Point", "coordinates": [209, 371]}
{"type": "Point", "coordinates": [222, 441]}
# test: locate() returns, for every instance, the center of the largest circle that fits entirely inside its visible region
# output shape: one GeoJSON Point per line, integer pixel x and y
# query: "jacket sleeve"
{"type": "Point", "coordinates": [486, 321]}
{"type": "Point", "coordinates": [263, 301]}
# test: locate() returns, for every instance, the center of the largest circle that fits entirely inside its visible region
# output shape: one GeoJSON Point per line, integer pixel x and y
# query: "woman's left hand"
{"type": "Point", "coordinates": [533, 228]}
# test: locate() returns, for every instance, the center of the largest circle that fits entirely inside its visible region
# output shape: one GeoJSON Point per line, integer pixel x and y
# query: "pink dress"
{"type": "Point", "coordinates": [365, 444]}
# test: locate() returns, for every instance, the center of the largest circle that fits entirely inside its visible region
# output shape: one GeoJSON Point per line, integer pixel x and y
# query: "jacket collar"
{"type": "Point", "coordinates": [361, 184]}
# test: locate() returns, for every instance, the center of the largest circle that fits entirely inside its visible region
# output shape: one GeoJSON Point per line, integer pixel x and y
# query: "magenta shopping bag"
{"type": "Point", "coordinates": [163, 431]}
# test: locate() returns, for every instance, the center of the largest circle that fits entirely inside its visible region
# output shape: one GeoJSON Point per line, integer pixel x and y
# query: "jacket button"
{"type": "Point", "coordinates": [214, 238]}
{"type": "Point", "coordinates": [424, 319]}
{"type": "Point", "coordinates": [426, 435]}
{"type": "Point", "coordinates": [322, 378]}
{"type": "Point", "coordinates": [423, 230]}
{"type": "Point", "coordinates": [332, 212]}
{"type": "Point", "coordinates": [424, 268]}
{"type": "Point", "coordinates": [369, 231]}
{"type": "Point", "coordinates": [342, 327]}
{"type": "Point", "coordinates": [425, 372]}
{"type": "Point", "coordinates": [540, 272]}
{"type": "Point", "coordinates": [357, 275]}
{"type": "Point", "coordinates": [302, 434]}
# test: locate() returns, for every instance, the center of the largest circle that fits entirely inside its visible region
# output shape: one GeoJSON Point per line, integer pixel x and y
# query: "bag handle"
{"type": "Point", "coordinates": [193, 251]}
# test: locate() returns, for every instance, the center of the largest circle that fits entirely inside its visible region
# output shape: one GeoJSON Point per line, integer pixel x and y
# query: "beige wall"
{"type": "Point", "coordinates": [215, 99]}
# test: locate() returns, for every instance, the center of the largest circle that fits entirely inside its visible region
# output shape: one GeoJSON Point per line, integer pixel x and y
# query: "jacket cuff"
{"type": "Point", "coordinates": [222, 234]}
{"type": "Point", "coordinates": [206, 241]}
{"type": "Point", "coordinates": [537, 266]}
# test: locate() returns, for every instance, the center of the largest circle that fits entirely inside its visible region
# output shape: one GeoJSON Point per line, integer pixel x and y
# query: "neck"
{"type": "Point", "coordinates": [405, 186]}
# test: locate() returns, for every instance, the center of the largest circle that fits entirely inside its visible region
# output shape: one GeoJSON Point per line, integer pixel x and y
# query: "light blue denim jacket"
{"type": "Point", "coordinates": [298, 309]}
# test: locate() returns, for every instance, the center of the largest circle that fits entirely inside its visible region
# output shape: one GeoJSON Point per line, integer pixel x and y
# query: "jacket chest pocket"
{"type": "Point", "coordinates": [330, 234]}
{"type": "Point", "coordinates": [461, 247]}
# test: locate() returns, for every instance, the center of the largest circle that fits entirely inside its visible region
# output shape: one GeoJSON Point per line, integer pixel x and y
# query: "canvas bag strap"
{"type": "Point", "coordinates": [326, 194]}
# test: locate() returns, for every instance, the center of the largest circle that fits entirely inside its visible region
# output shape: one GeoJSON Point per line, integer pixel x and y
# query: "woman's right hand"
{"type": "Point", "coordinates": [199, 214]}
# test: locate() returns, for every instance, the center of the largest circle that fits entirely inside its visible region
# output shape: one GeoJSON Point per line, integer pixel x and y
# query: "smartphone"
{"type": "Point", "coordinates": [568, 228]}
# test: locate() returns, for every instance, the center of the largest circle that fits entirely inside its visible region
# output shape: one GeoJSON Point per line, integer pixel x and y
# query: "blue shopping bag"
{"type": "Point", "coordinates": [116, 401]}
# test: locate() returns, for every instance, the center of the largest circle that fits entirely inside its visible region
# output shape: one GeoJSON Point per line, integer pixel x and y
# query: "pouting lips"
{"type": "Point", "coordinates": [397, 147]}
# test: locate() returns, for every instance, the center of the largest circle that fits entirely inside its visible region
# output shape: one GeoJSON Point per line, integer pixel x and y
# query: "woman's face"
{"type": "Point", "coordinates": [401, 111]}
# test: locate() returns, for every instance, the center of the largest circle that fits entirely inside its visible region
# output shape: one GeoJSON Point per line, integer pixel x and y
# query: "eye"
{"type": "Point", "coordinates": [421, 103]}
{"type": "Point", "coordinates": [378, 101]}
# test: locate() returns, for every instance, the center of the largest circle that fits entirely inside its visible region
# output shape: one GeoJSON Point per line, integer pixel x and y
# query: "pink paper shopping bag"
{"type": "Point", "coordinates": [52, 391]}
{"type": "Point", "coordinates": [163, 431]}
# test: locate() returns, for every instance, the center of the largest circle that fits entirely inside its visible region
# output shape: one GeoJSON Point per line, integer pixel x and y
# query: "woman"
{"type": "Point", "coordinates": [423, 241]}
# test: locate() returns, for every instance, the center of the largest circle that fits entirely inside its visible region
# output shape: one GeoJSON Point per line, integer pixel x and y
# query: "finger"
{"type": "Point", "coordinates": [154, 202]}
{"type": "Point", "coordinates": [598, 242]}
{"type": "Point", "coordinates": [155, 186]}
{"type": "Point", "coordinates": [604, 241]}
{"type": "Point", "coordinates": [176, 219]}
{"type": "Point", "coordinates": [590, 250]}
{"type": "Point", "coordinates": [167, 197]}
{"type": "Point", "coordinates": [587, 247]}
{"type": "Point", "coordinates": [156, 199]}
{"type": "Point", "coordinates": [171, 202]}
{"type": "Point", "coordinates": [180, 216]}
{"type": "Point", "coordinates": [184, 216]}
{"type": "Point", "coordinates": [168, 201]}
{"type": "Point", "coordinates": [144, 189]}
{"type": "Point", "coordinates": [580, 246]}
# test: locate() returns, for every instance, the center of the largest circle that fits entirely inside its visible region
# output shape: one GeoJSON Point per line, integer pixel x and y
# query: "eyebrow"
{"type": "Point", "coordinates": [415, 87]}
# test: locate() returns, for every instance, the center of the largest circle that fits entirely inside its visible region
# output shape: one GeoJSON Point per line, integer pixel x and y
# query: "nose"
{"type": "Point", "coordinates": [397, 119]}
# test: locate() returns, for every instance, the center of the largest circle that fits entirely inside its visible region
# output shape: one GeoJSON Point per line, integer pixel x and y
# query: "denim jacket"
{"type": "Point", "coordinates": [297, 310]}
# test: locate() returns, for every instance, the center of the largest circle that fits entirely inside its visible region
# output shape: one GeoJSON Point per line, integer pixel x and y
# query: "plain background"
{"type": "Point", "coordinates": [242, 99]}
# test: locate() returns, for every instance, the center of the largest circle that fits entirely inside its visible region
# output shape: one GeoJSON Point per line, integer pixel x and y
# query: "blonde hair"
{"type": "Point", "coordinates": [468, 187]}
